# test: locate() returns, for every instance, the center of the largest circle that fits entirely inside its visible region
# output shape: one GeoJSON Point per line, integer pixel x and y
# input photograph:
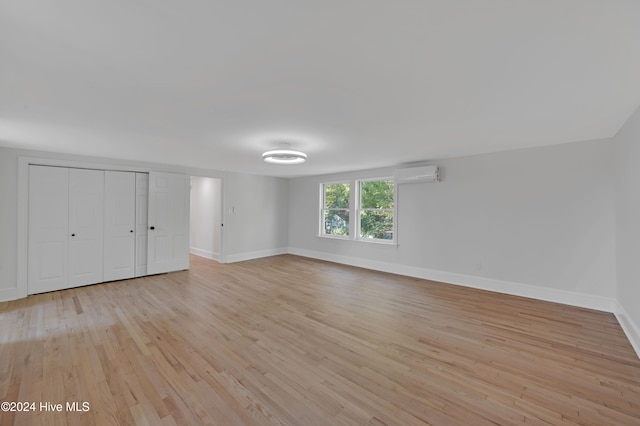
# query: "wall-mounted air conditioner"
{"type": "Point", "coordinates": [417, 174]}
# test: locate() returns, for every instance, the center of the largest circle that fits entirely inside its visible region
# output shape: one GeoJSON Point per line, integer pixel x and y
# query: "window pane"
{"type": "Point", "coordinates": [336, 222]}
{"type": "Point", "coordinates": [376, 194]}
{"type": "Point", "coordinates": [376, 224]}
{"type": "Point", "coordinates": [336, 196]}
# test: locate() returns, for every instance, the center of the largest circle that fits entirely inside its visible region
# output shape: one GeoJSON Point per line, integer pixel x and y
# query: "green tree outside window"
{"type": "Point", "coordinates": [336, 209]}
{"type": "Point", "coordinates": [377, 209]}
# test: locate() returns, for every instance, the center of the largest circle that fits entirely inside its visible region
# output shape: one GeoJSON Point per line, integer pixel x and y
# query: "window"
{"type": "Point", "coordinates": [335, 209]}
{"type": "Point", "coordinates": [374, 201]}
{"type": "Point", "coordinates": [376, 209]}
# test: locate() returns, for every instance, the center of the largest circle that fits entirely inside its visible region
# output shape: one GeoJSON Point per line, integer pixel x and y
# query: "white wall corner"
{"type": "Point", "coordinates": [204, 253]}
{"type": "Point", "coordinates": [239, 257]}
{"type": "Point", "coordinates": [582, 300]}
{"type": "Point", "coordinates": [630, 328]}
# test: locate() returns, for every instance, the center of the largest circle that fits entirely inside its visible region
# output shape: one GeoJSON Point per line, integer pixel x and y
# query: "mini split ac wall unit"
{"type": "Point", "coordinates": [417, 174]}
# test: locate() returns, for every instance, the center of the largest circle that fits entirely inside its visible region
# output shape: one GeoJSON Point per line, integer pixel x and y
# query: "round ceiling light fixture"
{"type": "Point", "coordinates": [284, 155]}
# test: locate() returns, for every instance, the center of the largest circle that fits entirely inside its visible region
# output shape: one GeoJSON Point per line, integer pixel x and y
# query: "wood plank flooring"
{"type": "Point", "coordinates": [290, 340]}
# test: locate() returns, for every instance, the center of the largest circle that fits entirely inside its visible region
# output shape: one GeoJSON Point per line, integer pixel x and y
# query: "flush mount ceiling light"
{"type": "Point", "coordinates": [284, 155]}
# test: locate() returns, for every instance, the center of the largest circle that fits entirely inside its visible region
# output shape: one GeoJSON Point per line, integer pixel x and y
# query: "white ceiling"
{"type": "Point", "coordinates": [354, 84]}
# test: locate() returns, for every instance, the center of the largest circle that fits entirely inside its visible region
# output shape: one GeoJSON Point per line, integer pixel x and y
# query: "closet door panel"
{"type": "Point", "coordinates": [142, 211]}
{"type": "Point", "coordinates": [168, 238]}
{"type": "Point", "coordinates": [119, 225]}
{"type": "Point", "coordinates": [48, 229]}
{"type": "Point", "coordinates": [86, 222]}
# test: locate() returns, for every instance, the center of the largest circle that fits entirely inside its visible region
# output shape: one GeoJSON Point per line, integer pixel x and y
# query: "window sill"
{"type": "Point", "coordinates": [372, 241]}
{"type": "Point", "coordinates": [360, 240]}
{"type": "Point", "coordinates": [334, 237]}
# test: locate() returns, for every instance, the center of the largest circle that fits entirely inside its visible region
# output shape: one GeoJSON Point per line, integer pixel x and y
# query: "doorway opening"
{"type": "Point", "coordinates": [205, 237]}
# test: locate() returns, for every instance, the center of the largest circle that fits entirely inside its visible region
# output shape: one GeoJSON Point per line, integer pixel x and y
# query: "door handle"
{"type": "Point", "coordinates": [131, 230]}
{"type": "Point", "coordinates": [152, 227]}
{"type": "Point", "coordinates": [73, 235]}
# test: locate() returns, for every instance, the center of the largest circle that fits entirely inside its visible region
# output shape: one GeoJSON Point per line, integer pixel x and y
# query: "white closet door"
{"type": "Point", "coordinates": [168, 239]}
{"type": "Point", "coordinates": [142, 211]}
{"type": "Point", "coordinates": [119, 225]}
{"type": "Point", "coordinates": [86, 216]}
{"type": "Point", "coordinates": [48, 229]}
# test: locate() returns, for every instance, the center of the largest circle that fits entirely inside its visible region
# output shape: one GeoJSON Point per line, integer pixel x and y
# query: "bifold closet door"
{"type": "Point", "coordinates": [48, 262]}
{"type": "Point", "coordinates": [168, 237]}
{"type": "Point", "coordinates": [65, 228]}
{"type": "Point", "coordinates": [119, 225]}
{"type": "Point", "coordinates": [86, 223]}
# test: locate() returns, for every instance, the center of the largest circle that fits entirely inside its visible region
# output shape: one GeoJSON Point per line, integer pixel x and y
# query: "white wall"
{"type": "Point", "coordinates": [535, 222]}
{"type": "Point", "coordinates": [627, 164]}
{"type": "Point", "coordinates": [256, 214]}
{"type": "Point", "coordinates": [258, 226]}
{"type": "Point", "coordinates": [206, 216]}
{"type": "Point", "coordinates": [8, 221]}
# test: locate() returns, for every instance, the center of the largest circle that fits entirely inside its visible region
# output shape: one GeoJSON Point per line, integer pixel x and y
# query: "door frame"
{"type": "Point", "coordinates": [221, 258]}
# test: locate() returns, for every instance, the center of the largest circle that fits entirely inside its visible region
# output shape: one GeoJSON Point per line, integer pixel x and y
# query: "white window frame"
{"type": "Point", "coordinates": [321, 230]}
{"type": "Point", "coordinates": [355, 207]}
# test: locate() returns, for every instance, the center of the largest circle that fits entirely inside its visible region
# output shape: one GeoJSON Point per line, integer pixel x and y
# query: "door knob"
{"type": "Point", "coordinates": [131, 230]}
{"type": "Point", "coordinates": [152, 227]}
{"type": "Point", "coordinates": [73, 235]}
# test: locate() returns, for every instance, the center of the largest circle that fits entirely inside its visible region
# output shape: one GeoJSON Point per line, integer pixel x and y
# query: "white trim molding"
{"type": "Point", "coordinates": [630, 328]}
{"type": "Point", "coordinates": [582, 300]}
{"type": "Point", "coordinates": [239, 257]}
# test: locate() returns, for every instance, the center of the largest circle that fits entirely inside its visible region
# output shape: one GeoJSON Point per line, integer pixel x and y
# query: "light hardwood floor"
{"type": "Point", "coordinates": [289, 340]}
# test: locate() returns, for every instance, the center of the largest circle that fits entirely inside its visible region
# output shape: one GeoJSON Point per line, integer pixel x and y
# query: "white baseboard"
{"type": "Point", "coordinates": [204, 253]}
{"type": "Point", "coordinates": [239, 257]}
{"type": "Point", "coordinates": [630, 328]}
{"type": "Point", "coordinates": [9, 294]}
{"type": "Point", "coordinates": [582, 300]}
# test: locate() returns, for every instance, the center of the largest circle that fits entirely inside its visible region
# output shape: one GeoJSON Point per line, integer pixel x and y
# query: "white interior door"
{"type": "Point", "coordinates": [168, 223]}
{"type": "Point", "coordinates": [142, 212]}
{"type": "Point", "coordinates": [48, 229]}
{"type": "Point", "coordinates": [119, 225]}
{"type": "Point", "coordinates": [86, 218]}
